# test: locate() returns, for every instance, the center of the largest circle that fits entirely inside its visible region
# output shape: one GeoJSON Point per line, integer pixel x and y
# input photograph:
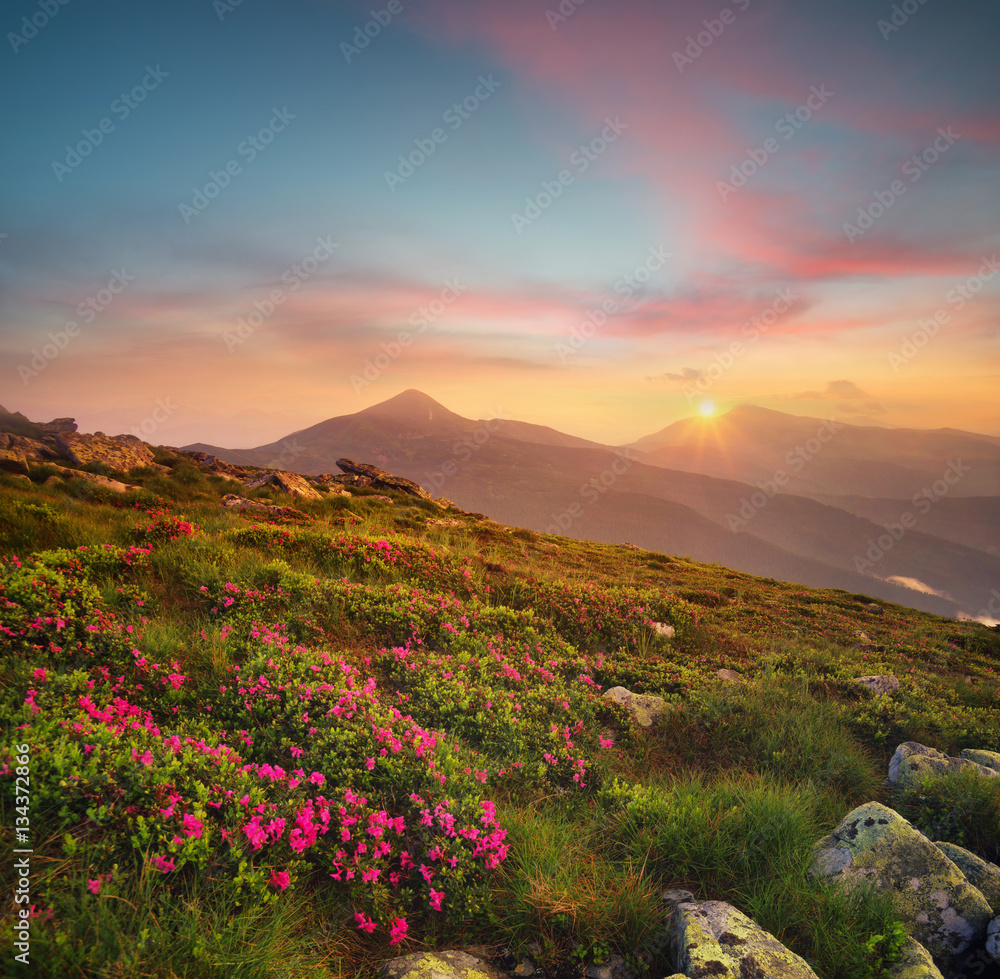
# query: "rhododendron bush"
{"type": "Point", "coordinates": [364, 768]}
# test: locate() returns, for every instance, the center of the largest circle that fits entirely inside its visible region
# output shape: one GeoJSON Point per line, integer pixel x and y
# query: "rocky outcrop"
{"type": "Point", "coordinates": [875, 845]}
{"type": "Point", "coordinates": [122, 452]}
{"type": "Point", "coordinates": [913, 762]}
{"type": "Point", "coordinates": [717, 940]}
{"type": "Point", "coordinates": [287, 482]}
{"type": "Point", "coordinates": [645, 708]}
{"type": "Point", "coordinates": [60, 426]}
{"type": "Point", "coordinates": [380, 479]}
{"type": "Point", "coordinates": [18, 452]}
{"type": "Point", "coordinates": [879, 684]}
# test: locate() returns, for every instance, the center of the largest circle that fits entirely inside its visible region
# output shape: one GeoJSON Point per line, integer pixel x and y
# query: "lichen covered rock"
{"type": "Point", "coordinates": [644, 707]}
{"type": "Point", "coordinates": [438, 965]}
{"type": "Point", "coordinates": [990, 759]}
{"type": "Point", "coordinates": [714, 939]}
{"type": "Point", "coordinates": [874, 844]}
{"type": "Point", "coordinates": [913, 762]}
{"type": "Point", "coordinates": [980, 873]}
{"type": "Point", "coordinates": [916, 963]}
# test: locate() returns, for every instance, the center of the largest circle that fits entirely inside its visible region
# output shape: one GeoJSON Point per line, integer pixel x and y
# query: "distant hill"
{"type": "Point", "coordinates": [536, 477]}
{"type": "Point", "coordinates": [823, 458]}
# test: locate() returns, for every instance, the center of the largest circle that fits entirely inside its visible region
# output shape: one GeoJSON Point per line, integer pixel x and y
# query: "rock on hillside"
{"type": "Point", "coordinates": [913, 762]}
{"type": "Point", "coordinates": [715, 939]}
{"type": "Point", "coordinates": [380, 479]}
{"type": "Point", "coordinates": [123, 452]}
{"type": "Point", "coordinates": [874, 844]}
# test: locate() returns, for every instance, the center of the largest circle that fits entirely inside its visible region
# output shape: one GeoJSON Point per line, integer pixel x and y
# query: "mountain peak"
{"type": "Point", "coordinates": [412, 405]}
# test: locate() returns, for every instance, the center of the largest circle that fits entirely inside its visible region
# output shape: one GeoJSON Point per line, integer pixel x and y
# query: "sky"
{"type": "Point", "coordinates": [225, 220]}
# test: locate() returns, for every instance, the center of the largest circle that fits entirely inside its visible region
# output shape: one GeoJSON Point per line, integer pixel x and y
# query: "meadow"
{"type": "Point", "coordinates": [301, 746]}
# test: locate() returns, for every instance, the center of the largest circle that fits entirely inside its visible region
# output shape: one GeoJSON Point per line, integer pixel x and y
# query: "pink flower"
{"type": "Point", "coordinates": [163, 863]}
{"type": "Point", "coordinates": [436, 899]}
{"type": "Point", "coordinates": [94, 886]}
{"type": "Point", "coordinates": [369, 763]}
{"type": "Point", "coordinates": [398, 932]}
{"type": "Point", "coordinates": [364, 922]}
{"type": "Point", "coordinates": [279, 879]}
{"type": "Point", "coordinates": [192, 826]}
{"type": "Point", "coordinates": [40, 674]}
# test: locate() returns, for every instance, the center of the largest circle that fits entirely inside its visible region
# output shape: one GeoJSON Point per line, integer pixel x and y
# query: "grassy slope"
{"type": "Point", "coordinates": [185, 694]}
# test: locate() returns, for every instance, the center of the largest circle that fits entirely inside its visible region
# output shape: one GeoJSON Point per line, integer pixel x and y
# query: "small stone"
{"type": "Point", "coordinates": [879, 684]}
{"type": "Point", "coordinates": [663, 629]}
{"type": "Point", "coordinates": [645, 708]}
{"type": "Point", "coordinates": [729, 676]}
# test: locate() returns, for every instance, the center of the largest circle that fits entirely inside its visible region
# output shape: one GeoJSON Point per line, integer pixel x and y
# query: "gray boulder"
{"type": "Point", "coordinates": [879, 684]}
{"type": "Point", "coordinates": [875, 845]}
{"type": "Point", "coordinates": [913, 762]}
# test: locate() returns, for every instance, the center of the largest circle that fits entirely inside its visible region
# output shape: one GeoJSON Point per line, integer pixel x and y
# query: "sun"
{"type": "Point", "coordinates": [707, 409]}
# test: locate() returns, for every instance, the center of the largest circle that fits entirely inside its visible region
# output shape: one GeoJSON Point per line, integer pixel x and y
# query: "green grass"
{"type": "Point", "coordinates": [492, 642]}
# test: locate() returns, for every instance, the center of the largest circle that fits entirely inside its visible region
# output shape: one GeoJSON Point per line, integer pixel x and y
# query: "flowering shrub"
{"type": "Point", "coordinates": [164, 528]}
